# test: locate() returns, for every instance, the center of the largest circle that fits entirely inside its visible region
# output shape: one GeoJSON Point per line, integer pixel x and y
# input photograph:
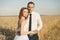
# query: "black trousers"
{"type": "Point", "coordinates": [33, 37]}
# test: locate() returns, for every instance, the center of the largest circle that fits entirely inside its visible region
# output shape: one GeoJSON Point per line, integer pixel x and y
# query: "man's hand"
{"type": "Point", "coordinates": [34, 31]}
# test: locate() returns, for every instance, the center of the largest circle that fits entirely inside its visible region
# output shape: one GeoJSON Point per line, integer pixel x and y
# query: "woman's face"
{"type": "Point", "coordinates": [25, 12]}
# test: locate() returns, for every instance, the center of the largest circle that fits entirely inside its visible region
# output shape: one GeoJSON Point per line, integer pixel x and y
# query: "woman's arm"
{"type": "Point", "coordinates": [22, 27]}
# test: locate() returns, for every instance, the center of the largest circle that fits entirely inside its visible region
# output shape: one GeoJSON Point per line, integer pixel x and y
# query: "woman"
{"type": "Point", "coordinates": [23, 28]}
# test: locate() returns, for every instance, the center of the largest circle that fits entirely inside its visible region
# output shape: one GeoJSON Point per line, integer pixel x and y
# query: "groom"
{"type": "Point", "coordinates": [33, 21]}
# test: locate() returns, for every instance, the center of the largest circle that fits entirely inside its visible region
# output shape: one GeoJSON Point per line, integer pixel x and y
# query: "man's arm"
{"type": "Point", "coordinates": [39, 22]}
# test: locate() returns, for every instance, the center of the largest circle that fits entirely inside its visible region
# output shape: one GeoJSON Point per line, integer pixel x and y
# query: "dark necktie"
{"type": "Point", "coordinates": [30, 22]}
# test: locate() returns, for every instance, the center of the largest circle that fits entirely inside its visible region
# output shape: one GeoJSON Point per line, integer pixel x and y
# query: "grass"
{"type": "Point", "coordinates": [50, 30]}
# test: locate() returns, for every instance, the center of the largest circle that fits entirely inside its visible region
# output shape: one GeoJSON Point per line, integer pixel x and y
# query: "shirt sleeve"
{"type": "Point", "coordinates": [39, 22]}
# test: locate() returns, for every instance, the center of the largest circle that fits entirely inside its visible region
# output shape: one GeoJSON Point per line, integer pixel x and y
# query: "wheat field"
{"type": "Point", "coordinates": [49, 31]}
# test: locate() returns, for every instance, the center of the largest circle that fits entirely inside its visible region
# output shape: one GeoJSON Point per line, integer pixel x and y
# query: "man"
{"type": "Point", "coordinates": [35, 19]}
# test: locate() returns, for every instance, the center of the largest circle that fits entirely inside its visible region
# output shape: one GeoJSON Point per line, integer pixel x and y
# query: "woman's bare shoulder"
{"type": "Point", "coordinates": [22, 19]}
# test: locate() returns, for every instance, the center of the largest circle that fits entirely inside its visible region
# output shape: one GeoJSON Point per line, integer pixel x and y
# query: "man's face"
{"type": "Point", "coordinates": [31, 7]}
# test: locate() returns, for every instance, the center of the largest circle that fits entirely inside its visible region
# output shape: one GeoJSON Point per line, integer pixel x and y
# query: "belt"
{"type": "Point", "coordinates": [32, 34]}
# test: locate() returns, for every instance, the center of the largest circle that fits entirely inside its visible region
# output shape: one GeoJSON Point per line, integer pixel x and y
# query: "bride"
{"type": "Point", "coordinates": [22, 27]}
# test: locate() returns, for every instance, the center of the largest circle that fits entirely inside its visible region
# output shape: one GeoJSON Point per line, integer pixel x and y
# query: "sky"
{"type": "Point", "coordinates": [43, 7]}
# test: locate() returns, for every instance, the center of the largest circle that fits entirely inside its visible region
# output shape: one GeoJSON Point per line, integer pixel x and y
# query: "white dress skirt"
{"type": "Point", "coordinates": [22, 37]}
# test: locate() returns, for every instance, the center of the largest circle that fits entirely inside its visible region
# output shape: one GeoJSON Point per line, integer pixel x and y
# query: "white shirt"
{"type": "Point", "coordinates": [36, 19]}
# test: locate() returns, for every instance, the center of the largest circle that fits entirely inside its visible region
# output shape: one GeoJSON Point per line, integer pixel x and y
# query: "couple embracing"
{"type": "Point", "coordinates": [27, 24]}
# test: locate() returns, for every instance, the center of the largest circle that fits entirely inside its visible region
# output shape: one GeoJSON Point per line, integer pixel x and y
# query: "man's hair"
{"type": "Point", "coordinates": [30, 3]}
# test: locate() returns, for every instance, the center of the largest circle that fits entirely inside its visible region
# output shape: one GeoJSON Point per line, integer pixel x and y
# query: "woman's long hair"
{"type": "Point", "coordinates": [21, 12]}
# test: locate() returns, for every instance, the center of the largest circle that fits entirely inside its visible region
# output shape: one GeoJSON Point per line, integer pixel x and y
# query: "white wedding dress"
{"type": "Point", "coordinates": [23, 37]}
